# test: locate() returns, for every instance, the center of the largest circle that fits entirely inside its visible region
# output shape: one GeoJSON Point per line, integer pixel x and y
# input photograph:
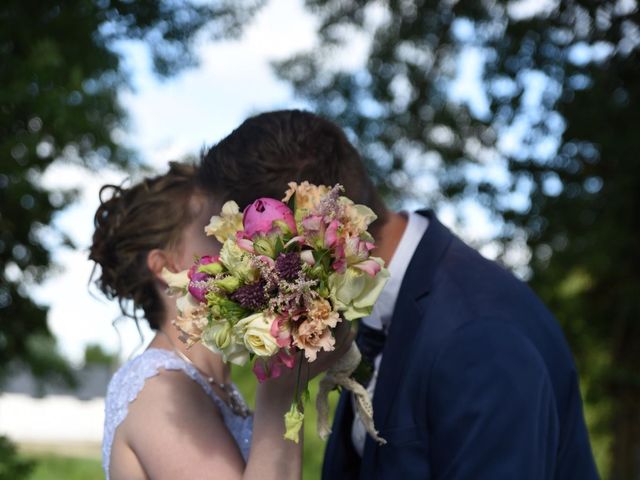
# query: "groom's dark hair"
{"type": "Point", "coordinates": [269, 150]}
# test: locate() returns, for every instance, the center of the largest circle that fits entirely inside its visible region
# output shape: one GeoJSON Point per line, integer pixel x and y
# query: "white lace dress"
{"type": "Point", "coordinates": [128, 381]}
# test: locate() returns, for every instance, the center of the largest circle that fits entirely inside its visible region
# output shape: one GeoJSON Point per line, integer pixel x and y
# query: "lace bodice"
{"type": "Point", "coordinates": [128, 381]}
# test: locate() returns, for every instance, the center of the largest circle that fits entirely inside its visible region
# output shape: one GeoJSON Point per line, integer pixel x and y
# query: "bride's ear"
{"type": "Point", "coordinates": [157, 260]}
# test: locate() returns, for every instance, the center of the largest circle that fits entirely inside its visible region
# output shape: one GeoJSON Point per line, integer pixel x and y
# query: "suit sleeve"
{"type": "Point", "coordinates": [492, 411]}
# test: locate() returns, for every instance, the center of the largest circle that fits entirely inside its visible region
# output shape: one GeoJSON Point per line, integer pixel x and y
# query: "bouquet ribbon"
{"type": "Point", "coordinates": [340, 375]}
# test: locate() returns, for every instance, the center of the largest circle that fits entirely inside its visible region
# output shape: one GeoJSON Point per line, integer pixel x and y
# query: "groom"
{"type": "Point", "coordinates": [472, 378]}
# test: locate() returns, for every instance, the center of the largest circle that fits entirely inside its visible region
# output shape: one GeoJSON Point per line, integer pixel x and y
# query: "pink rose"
{"type": "Point", "coordinates": [260, 215]}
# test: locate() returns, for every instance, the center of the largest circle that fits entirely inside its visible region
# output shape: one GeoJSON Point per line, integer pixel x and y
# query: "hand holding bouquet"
{"type": "Point", "coordinates": [288, 272]}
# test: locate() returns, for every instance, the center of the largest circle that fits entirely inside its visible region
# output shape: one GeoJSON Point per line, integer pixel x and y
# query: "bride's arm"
{"type": "Point", "coordinates": [176, 432]}
{"type": "Point", "coordinates": [271, 455]}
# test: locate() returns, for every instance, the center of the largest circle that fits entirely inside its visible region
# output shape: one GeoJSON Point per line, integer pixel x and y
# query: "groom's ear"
{"type": "Point", "coordinates": [157, 260]}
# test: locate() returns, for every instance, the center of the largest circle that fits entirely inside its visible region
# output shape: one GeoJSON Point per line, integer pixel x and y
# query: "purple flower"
{"type": "Point", "coordinates": [288, 265]}
{"type": "Point", "coordinates": [251, 296]}
{"type": "Point", "coordinates": [198, 286]}
{"type": "Point", "coordinates": [198, 280]}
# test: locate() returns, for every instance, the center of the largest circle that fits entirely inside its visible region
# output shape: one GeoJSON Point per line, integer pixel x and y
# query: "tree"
{"type": "Point", "coordinates": [557, 109]}
{"type": "Point", "coordinates": [584, 230]}
{"type": "Point", "coordinates": [95, 355]}
{"type": "Point", "coordinates": [12, 467]}
{"type": "Point", "coordinates": [60, 74]}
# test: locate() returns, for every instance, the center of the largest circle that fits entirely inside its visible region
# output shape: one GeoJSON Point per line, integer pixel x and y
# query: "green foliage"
{"type": "Point", "coordinates": [61, 72]}
{"type": "Point", "coordinates": [561, 88]}
{"type": "Point", "coordinates": [224, 309]}
{"type": "Point", "coordinates": [46, 363]}
{"type": "Point", "coordinates": [56, 467]}
{"type": "Point", "coordinates": [12, 465]}
{"type": "Point", "coordinates": [94, 354]}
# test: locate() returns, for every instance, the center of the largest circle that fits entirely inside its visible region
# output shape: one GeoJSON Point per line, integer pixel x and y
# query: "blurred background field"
{"type": "Point", "coordinates": [516, 120]}
{"type": "Point", "coordinates": [49, 466]}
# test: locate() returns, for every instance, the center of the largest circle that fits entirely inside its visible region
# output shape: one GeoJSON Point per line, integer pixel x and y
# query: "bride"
{"type": "Point", "coordinates": [171, 412]}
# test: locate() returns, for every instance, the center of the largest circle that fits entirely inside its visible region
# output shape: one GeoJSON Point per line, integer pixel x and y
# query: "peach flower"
{"type": "Point", "coordinates": [312, 337]}
{"type": "Point", "coordinates": [314, 333]}
{"type": "Point", "coordinates": [191, 319]}
{"type": "Point", "coordinates": [320, 311]}
{"type": "Point", "coordinates": [307, 195]}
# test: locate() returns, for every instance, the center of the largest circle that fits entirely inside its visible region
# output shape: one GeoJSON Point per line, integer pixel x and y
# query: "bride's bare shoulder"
{"type": "Point", "coordinates": [171, 394]}
{"type": "Point", "coordinates": [172, 415]}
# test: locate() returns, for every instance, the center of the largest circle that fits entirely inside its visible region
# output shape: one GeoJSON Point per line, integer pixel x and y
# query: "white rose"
{"type": "Point", "coordinates": [256, 334]}
{"type": "Point", "coordinates": [221, 338]}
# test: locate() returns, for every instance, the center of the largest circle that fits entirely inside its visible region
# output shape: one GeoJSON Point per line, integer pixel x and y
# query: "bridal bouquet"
{"type": "Point", "coordinates": [288, 272]}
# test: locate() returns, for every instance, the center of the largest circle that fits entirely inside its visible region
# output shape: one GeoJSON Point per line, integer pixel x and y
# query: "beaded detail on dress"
{"type": "Point", "coordinates": [129, 380]}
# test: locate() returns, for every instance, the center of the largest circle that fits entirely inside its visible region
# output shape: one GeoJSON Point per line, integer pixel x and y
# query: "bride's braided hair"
{"type": "Point", "coordinates": [128, 225]}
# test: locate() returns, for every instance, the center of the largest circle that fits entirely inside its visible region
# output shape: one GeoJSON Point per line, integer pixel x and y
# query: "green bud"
{"type": "Point", "coordinates": [283, 226]}
{"type": "Point", "coordinates": [223, 308]}
{"type": "Point", "coordinates": [229, 283]}
{"type": "Point", "coordinates": [263, 245]}
{"type": "Point", "coordinates": [211, 268]}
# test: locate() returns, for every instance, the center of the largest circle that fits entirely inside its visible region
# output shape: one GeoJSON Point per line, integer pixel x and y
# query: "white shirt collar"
{"type": "Point", "coordinates": [380, 317]}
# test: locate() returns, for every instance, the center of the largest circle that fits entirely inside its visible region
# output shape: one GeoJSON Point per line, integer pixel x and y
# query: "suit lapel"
{"type": "Point", "coordinates": [406, 319]}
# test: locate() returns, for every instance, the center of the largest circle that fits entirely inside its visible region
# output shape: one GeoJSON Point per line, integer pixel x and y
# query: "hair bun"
{"type": "Point", "coordinates": [105, 238]}
{"type": "Point", "coordinates": [129, 223]}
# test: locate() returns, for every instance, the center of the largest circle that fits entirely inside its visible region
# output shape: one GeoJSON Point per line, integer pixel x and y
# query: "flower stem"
{"type": "Point", "coordinates": [296, 393]}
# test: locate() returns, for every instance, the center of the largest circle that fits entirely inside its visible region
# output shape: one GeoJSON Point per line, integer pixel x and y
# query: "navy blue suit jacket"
{"type": "Point", "coordinates": [476, 381]}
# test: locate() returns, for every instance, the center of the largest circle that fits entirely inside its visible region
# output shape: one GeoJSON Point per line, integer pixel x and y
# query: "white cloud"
{"type": "Point", "coordinates": [233, 81]}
